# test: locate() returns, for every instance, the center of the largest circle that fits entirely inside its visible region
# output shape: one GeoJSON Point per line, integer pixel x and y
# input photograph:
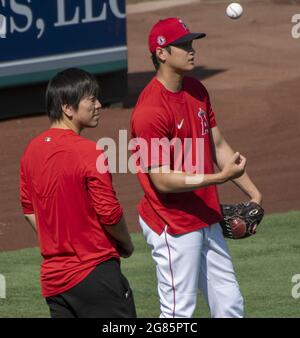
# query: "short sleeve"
{"type": "Point", "coordinates": [197, 89]}
{"type": "Point", "coordinates": [100, 189]}
{"type": "Point", "coordinates": [152, 130]}
{"type": "Point", "coordinates": [211, 115]}
{"type": "Point", "coordinates": [25, 197]}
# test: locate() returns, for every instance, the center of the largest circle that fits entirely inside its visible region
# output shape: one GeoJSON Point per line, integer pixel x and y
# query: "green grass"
{"type": "Point", "coordinates": [264, 265]}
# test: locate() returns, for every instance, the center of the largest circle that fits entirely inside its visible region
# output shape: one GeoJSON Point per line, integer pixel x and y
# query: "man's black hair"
{"type": "Point", "coordinates": [69, 87]}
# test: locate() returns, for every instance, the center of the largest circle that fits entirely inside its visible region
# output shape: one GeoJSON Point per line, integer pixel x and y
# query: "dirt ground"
{"type": "Point", "coordinates": [252, 71]}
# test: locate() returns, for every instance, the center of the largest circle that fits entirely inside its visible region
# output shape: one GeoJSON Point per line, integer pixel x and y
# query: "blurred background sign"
{"type": "Point", "coordinates": [39, 38]}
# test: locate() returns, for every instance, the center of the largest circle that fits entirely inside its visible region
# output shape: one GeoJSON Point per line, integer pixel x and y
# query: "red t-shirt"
{"type": "Point", "coordinates": [161, 114]}
{"type": "Point", "coordinates": [71, 200]}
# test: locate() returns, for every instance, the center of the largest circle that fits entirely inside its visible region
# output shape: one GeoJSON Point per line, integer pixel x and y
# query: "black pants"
{"type": "Point", "coordinates": [104, 293]}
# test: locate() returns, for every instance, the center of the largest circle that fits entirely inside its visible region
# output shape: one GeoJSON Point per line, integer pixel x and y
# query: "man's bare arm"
{"type": "Point", "coordinates": [169, 181]}
{"type": "Point", "coordinates": [120, 233]}
{"type": "Point", "coordinates": [223, 152]}
{"type": "Point", "coordinates": [30, 218]}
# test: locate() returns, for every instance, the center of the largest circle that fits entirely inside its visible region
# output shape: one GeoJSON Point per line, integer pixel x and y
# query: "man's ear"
{"type": "Point", "coordinates": [161, 54]}
{"type": "Point", "coordinates": [67, 110]}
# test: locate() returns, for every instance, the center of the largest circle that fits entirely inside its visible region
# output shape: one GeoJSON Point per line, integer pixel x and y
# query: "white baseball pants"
{"type": "Point", "coordinates": [193, 261]}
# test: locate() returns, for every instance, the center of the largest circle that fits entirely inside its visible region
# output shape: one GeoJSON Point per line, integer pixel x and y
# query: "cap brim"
{"type": "Point", "coordinates": [188, 37]}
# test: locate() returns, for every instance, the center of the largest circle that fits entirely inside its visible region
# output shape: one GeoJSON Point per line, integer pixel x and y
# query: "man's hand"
{"type": "Point", "coordinates": [235, 167]}
{"type": "Point", "coordinates": [120, 234]}
{"type": "Point", "coordinates": [257, 199]}
{"type": "Point", "coordinates": [241, 220]}
{"type": "Point", "coordinates": [125, 249]}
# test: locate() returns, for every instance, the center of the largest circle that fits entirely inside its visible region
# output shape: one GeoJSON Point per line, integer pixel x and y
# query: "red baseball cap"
{"type": "Point", "coordinates": [170, 31]}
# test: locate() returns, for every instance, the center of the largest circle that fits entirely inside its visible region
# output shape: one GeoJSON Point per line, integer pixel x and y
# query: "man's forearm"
{"type": "Point", "coordinates": [119, 231]}
{"type": "Point", "coordinates": [168, 181]}
{"type": "Point", "coordinates": [248, 187]}
{"type": "Point", "coordinates": [174, 182]}
{"type": "Point", "coordinates": [223, 153]}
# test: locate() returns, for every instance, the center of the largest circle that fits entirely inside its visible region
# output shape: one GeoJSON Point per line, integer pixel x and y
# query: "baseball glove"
{"type": "Point", "coordinates": [240, 219]}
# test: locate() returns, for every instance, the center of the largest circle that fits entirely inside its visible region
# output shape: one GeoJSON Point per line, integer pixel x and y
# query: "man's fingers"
{"type": "Point", "coordinates": [236, 157]}
{"type": "Point", "coordinates": [253, 229]}
{"type": "Point", "coordinates": [243, 161]}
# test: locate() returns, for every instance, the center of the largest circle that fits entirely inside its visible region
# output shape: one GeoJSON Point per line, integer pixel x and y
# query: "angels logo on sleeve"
{"type": "Point", "coordinates": [204, 123]}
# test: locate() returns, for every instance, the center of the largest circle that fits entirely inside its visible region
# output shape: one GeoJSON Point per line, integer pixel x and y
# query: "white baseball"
{"type": "Point", "coordinates": [234, 10]}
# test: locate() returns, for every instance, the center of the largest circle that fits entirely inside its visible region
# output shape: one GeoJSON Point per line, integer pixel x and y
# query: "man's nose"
{"type": "Point", "coordinates": [98, 105]}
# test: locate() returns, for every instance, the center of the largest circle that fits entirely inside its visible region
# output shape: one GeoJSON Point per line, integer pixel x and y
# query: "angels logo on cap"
{"type": "Point", "coordinates": [170, 31]}
{"type": "Point", "coordinates": [161, 40]}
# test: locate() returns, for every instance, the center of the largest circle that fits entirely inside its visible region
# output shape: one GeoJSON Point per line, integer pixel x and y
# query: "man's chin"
{"type": "Point", "coordinates": [92, 124]}
{"type": "Point", "coordinates": [95, 124]}
{"type": "Point", "coordinates": [187, 69]}
{"type": "Point", "coordinates": [191, 66]}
